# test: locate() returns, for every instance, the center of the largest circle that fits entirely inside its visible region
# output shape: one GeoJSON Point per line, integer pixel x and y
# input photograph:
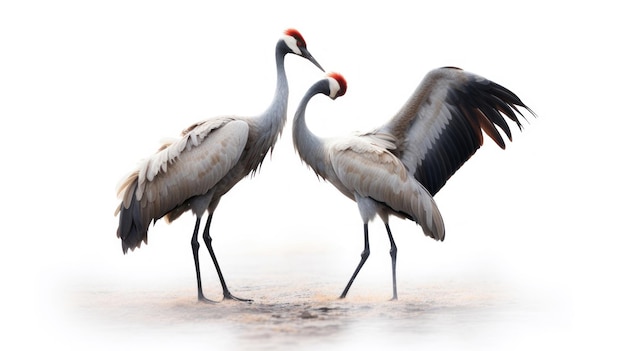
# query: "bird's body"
{"type": "Point", "coordinates": [363, 168]}
{"type": "Point", "coordinates": [395, 169]}
{"type": "Point", "coordinates": [211, 157]}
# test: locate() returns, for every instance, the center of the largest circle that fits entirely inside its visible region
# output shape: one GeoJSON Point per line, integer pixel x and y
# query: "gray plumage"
{"type": "Point", "coordinates": [194, 172]}
{"type": "Point", "coordinates": [396, 168]}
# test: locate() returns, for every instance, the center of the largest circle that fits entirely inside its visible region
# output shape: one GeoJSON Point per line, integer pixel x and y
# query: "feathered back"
{"type": "Point", "coordinates": [365, 166]}
{"type": "Point", "coordinates": [179, 171]}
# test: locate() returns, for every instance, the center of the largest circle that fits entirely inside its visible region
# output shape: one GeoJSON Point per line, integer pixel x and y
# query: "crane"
{"type": "Point", "coordinates": [195, 171]}
{"type": "Point", "coordinates": [396, 169]}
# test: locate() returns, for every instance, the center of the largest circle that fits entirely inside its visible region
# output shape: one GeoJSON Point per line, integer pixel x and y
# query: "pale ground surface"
{"type": "Point", "coordinates": [303, 312]}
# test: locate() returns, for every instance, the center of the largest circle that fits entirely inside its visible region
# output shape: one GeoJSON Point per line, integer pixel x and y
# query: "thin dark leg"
{"type": "Point", "coordinates": [364, 255]}
{"type": "Point", "coordinates": [195, 245]}
{"type": "Point", "coordinates": [208, 241]}
{"type": "Point", "coordinates": [393, 252]}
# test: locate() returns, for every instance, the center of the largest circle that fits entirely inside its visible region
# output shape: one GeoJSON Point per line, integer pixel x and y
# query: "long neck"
{"type": "Point", "coordinates": [274, 118]}
{"type": "Point", "coordinates": [309, 146]}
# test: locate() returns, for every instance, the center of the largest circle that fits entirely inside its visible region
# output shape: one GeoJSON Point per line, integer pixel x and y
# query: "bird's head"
{"type": "Point", "coordinates": [337, 85]}
{"type": "Point", "coordinates": [296, 45]}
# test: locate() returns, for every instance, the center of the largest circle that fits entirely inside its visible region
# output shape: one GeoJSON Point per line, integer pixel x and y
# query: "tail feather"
{"type": "Point", "coordinates": [132, 229]}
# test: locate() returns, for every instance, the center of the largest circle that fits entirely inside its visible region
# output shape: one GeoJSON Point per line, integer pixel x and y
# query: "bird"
{"type": "Point", "coordinates": [196, 170]}
{"type": "Point", "coordinates": [397, 168]}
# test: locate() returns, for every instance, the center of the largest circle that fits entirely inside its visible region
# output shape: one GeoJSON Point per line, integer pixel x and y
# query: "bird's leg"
{"type": "Point", "coordinates": [364, 255]}
{"type": "Point", "coordinates": [393, 252]}
{"type": "Point", "coordinates": [195, 245]}
{"type": "Point", "coordinates": [208, 241]}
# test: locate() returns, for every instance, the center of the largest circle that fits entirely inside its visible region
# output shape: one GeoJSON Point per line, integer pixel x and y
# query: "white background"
{"type": "Point", "coordinates": [87, 89]}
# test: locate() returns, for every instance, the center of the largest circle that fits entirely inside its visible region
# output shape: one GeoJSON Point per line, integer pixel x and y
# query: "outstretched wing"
{"type": "Point", "coordinates": [179, 171]}
{"type": "Point", "coordinates": [440, 127]}
{"type": "Point", "coordinates": [370, 170]}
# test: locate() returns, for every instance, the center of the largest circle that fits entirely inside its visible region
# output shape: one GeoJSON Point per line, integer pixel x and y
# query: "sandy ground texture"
{"type": "Point", "coordinates": [301, 313]}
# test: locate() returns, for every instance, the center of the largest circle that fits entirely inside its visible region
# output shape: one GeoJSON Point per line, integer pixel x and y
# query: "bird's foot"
{"type": "Point", "coordinates": [229, 296]}
{"type": "Point", "coordinates": [203, 299]}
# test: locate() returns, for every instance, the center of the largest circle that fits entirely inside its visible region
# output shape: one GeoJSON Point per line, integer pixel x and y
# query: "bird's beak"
{"type": "Point", "coordinates": [307, 55]}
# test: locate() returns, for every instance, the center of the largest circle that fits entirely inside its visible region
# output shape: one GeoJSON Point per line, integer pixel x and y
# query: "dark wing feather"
{"type": "Point", "coordinates": [441, 126]}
